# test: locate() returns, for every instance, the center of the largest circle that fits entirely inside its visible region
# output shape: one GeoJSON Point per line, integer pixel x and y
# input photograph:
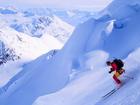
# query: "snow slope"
{"type": "Point", "coordinates": [124, 34]}
{"type": "Point", "coordinates": [28, 47]}
{"type": "Point", "coordinates": [50, 77]}
{"type": "Point", "coordinates": [119, 42]}
{"type": "Point", "coordinates": [45, 83]}
{"type": "Point", "coordinates": [71, 16]}
{"type": "Point", "coordinates": [35, 25]}
{"type": "Point", "coordinates": [59, 29]}
{"type": "Point", "coordinates": [90, 86]}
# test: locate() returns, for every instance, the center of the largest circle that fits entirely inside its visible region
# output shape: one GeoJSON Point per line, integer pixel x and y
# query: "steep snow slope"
{"type": "Point", "coordinates": [25, 46]}
{"type": "Point", "coordinates": [90, 86]}
{"type": "Point", "coordinates": [123, 16]}
{"type": "Point", "coordinates": [123, 35]}
{"type": "Point", "coordinates": [119, 42]}
{"type": "Point", "coordinates": [69, 57]}
{"type": "Point", "coordinates": [48, 69]}
{"type": "Point", "coordinates": [59, 29]}
{"type": "Point", "coordinates": [54, 73]}
{"type": "Point", "coordinates": [9, 70]}
{"type": "Point", "coordinates": [49, 80]}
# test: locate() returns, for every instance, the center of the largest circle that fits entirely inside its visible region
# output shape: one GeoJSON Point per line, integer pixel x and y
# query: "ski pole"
{"type": "Point", "coordinates": [128, 77]}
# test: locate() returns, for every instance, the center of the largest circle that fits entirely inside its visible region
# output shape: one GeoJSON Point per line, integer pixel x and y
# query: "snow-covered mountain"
{"type": "Point", "coordinates": [73, 17]}
{"type": "Point", "coordinates": [25, 46]}
{"type": "Point", "coordinates": [18, 48]}
{"type": "Point", "coordinates": [17, 43]}
{"type": "Point", "coordinates": [114, 32]}
{"type": "Point", "coordinates": [35, 25]}
{"type": "Point", "coordinates": [89, 87]}
{"type": "Point", "coordinates": [121, 41]}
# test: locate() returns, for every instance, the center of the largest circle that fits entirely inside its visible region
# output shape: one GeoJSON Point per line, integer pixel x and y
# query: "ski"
{"type": "Point", "coordinates": [113, 90]}
{"type": "Point", "coordinates": [110, 93]}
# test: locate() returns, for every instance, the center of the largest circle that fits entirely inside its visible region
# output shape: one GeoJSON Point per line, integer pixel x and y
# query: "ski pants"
{"type": "Point", "coordinates": [115, 77]}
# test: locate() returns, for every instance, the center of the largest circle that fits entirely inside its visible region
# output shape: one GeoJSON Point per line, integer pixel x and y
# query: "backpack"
{"type": "Point", "coordinates": [119, 63]}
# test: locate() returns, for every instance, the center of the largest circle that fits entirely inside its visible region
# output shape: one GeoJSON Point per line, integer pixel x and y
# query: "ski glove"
{"type": "Point", "coordinates": [110, 71]}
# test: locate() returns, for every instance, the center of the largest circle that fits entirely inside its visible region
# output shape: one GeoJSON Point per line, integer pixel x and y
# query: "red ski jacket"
{"type": "Point", "coordinates": [113, 67]}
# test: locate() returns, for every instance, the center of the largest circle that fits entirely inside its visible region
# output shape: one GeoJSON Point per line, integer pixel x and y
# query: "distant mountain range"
{"type": "Point", "coordinates": [17, 25]}
{"type": "Point", "coordinates": [35, 24]}
{"type": "Point", "coordinates": [73, 17]}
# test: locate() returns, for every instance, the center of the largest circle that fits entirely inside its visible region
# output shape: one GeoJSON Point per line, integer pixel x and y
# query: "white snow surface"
{"type": "Point", "coordinates": [25, 46]}
{"type": "Point", "coordinates": [28, 47]}
{"type": "Point", "coordinates": [35, 25]}
{"type": "Point", "coordinates": [47, 81]}
{"type": "Point", "coordinates": [121, 41]}
{"type": "Point", "coordinates": [88, 87]}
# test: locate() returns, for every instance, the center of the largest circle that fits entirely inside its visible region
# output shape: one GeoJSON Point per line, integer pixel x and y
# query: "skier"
{"type": "Point", "coordinates": [116, 67]}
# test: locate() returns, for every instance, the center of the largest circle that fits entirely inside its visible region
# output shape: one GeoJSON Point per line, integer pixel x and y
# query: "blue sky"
{"type": "Point", "coordinates": [95, 4]}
